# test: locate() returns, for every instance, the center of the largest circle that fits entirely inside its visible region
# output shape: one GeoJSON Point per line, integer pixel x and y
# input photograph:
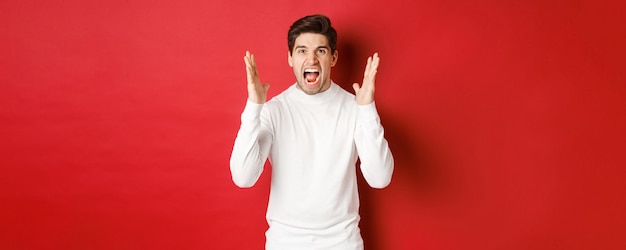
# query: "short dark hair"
{"type": "Point", "coordinates": [318, 24]}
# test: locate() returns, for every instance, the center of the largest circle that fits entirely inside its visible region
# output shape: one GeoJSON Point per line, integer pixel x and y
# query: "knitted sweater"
{"type": "Point", "coordinates": [313, 143]}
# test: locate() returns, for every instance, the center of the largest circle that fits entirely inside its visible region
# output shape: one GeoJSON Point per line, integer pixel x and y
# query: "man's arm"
{"type": "Point", "coordinates": [253, 140]}
{"type": "Point", "coordinates": [376, 158]}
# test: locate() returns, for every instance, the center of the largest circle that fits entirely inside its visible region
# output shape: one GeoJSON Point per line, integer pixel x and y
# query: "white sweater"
{"type": "Point", "coordinates": [313, 142]}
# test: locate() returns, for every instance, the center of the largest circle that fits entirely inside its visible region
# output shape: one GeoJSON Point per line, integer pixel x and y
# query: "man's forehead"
{"type": "Point", "coordinates": [311, 40]}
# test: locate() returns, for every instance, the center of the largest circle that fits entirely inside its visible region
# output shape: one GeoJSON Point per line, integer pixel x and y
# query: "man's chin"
{"type": "Point", "coordinates": [310, 88]}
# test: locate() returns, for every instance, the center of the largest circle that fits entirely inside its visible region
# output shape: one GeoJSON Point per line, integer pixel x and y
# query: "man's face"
{"type": "Point", "coordinates": [311, 61]}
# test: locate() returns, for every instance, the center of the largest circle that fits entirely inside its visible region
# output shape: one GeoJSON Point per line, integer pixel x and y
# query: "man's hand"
{"type": "Point", "coordinates": [365, 92]}
{"type": "Point", "coordinates": [257, 92]}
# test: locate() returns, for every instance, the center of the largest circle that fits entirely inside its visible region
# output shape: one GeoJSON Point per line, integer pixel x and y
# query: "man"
{"type": "Point", "coordinates": [313, 133]}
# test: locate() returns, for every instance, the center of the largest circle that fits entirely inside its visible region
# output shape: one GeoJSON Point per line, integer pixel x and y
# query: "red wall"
{"type": "Point", "coordinates": [506, 119]}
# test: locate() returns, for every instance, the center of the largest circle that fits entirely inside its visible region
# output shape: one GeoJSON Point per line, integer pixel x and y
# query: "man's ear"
{"type": "Point", "coordinates": [335, 57]}
{"type": "Point", "coordinates": [289, 59]}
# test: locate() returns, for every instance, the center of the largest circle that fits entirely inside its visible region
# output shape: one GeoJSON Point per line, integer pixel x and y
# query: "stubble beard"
{"type": "Point", "coordinates": [312, 91]}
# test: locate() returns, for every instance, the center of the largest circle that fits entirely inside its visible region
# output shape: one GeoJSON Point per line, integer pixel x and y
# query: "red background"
{"type": "Point", "coordinates": [506, 119]}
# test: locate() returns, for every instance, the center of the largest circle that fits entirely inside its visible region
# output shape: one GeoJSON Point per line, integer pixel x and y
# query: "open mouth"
{"type": "Point", "coordinates": [311, 75]}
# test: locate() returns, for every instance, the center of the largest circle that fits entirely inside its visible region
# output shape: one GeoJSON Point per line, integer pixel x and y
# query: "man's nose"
{"type": "Point", "coordinates": [311, 58]}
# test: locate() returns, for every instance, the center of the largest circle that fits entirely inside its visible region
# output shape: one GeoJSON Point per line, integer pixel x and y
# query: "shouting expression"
{"type": "Point", "coordinates": [311, 60]}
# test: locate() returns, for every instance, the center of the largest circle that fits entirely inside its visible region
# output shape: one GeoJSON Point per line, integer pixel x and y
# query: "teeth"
{"type": "Point", "coordinates": [311, 70]}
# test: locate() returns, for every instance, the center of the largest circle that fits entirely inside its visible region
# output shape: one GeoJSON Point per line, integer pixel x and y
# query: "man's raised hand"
{"type": "Point", "coordinates": [257, 92]}
{"type": "Point", "coordinates": [365, 92]}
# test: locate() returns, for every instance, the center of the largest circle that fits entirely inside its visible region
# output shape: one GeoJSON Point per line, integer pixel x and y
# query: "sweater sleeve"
{"type": "Point", "coordinates": [376, 158]}
{"type": "Point", "coordinates": [251, 146]}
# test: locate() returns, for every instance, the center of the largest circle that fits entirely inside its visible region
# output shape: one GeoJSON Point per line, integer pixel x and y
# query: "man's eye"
{"type": "Point", "coordinates": [321, 51]}
{"type": "Point", "coordinates": [300, 51]}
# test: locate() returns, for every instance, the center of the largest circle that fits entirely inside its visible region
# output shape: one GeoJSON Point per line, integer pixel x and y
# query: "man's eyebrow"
{"type": "Point", "coordinates": [318, 47]}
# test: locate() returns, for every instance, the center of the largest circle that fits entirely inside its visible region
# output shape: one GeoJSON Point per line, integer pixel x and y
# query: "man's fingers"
{"type": "Point", "coordinates": [247, 59]}
{"type": "Point", "coordinates": [251, 69]}
{"type": "Point", "coordinates": [372, 65]}
{"type": "Point", "coordinates": [356, 88]}
{"type": "Point", "coordinates": [266, 86]}
{"type": "Point", "coordinates": [375, 61]}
